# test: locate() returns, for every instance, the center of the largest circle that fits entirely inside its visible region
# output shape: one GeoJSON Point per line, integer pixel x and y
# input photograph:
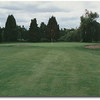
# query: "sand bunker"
{"type": "Point", "coordinates": [93, 46]}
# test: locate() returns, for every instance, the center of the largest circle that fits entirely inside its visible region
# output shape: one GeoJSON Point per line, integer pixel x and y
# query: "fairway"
{"type": "Point", "coordinates": [49, 69]}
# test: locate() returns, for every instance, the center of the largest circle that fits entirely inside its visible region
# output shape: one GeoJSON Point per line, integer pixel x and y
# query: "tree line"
{"type": "Point", "coordinates": [88, 31]}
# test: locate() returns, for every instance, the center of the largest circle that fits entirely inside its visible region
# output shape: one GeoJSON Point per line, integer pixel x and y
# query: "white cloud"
{"type": "Point", "coordinates": [67, 13]}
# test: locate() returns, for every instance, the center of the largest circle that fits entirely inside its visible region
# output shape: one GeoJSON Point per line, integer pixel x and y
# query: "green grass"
{"type": "Point", "coordinates": [49, 69]}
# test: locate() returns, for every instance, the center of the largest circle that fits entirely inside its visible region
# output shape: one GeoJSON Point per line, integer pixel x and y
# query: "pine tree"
{"type": "Point", "coordinates": [53, 29]}
{"type": "Point", "coordinates": [33, 31]}
{"type": "Point", "coordinates": [43, 32]}
{"type": "Point", "coordinates": [10, 33]}
{"type": "Point", "coordinates": [0, 34]}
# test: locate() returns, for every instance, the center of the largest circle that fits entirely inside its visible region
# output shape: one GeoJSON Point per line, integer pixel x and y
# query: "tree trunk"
{"type": "Point", "coordinates": [51, 40]}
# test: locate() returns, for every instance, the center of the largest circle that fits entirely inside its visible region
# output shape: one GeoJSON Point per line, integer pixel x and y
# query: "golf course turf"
{"type": "Point", "coordinates": [49, 69]}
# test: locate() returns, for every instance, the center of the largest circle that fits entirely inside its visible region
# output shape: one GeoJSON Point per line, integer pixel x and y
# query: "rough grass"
{"type": "Point", "coordinates": [49, 69]}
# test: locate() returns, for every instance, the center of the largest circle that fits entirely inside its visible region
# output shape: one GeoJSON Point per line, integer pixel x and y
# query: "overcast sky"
{"type": "Point", "coordinates": [67, 13]}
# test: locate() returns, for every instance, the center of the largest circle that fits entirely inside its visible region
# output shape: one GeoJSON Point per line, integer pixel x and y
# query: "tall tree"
{"type": "Point", "coordinates": [0, 34]}
{"type": "Point", "coordinates": [10, 33]}
{"type": "Point", "coordinates": [87, 26]}
{"type": "Point", "coordinates": [43, 32]}
{"type": "Point", "coordinates": [34, 31]}
{"type": "Point", "coordinates": [53, 29]}
{"type": "Point", "coordinates": [96, 30]}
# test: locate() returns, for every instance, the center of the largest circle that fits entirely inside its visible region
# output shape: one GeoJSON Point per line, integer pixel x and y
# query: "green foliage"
{"type": "Point", "coordinates": [53, 29]}
{"type": "Point", "coordinates": [88, 31]}
{"type": "Point", "coordinates": [34, 31]}
{"type": "Point", "coordinates": [96, 35]}
{"type": "Point", "coordinates": [22, 34]}
{"type": "Point", "coordinates": [43, 32]}
{"type": "Point", "coordinates": [87, 27]}
{"type": "Point", "coordinates": [10, 33]}
{"type": "Point", "coordinates": [0, 34]}
{"type": "Point", "coordinates": [76, 35]}
{"type": "Point", "coordinates": [70, 35]}
{"type": "Point", "coordinates": [62, 33]}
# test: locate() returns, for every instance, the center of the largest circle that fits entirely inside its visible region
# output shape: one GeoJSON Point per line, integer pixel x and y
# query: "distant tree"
{"type": "Point", "coordinates": [34, 31]}
{"type": "Point", "coordinates": [63, 34]}
{"type": "Point", "coordinates": [43, 32]}
{"type": "Point", "coordinates": [25, 34]}
{"type": "Point", "coordinates": [77, 35]}
{"type": "Point", "coordinates": [98, 32]}
{"type": "Point", "coordinates": [10, 32]}
{"type": "Point", "coordinates": [0, 34]}
{"type": "Point", "coordinates": [88, 29]}
{"type": "Point", "coordinates": [19, 31]}
{"type": "Point", "coordinates": [53, 29]}
{"type": "Point", "coordinates": [22, 33]}
{"type": "Point", "coordinates": [96, 35]}
{"type": "Point", "coordinates": [70, 35]}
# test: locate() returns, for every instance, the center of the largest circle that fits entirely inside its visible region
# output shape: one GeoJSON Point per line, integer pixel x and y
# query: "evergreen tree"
{"type": "Point", "coordinates": [34, 31]}
{"type": "Point", "coordinates": [10, 33]}
{"type": "Point", "coordinates": [0, 34]}
{"type": "Point", "coordinates": [53, 29]}
{"type": "Point", "coordinates": [43, 32]}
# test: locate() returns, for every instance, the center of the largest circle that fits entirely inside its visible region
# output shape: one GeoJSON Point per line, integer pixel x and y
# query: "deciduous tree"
{"type": "Point", "coordinates": [87, 26]}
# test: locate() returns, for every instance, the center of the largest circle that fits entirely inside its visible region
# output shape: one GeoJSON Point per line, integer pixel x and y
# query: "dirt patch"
{"type": "Point", "coordinates": [93, 46]}
{"type": "Point", "coordinates": [20, 46]}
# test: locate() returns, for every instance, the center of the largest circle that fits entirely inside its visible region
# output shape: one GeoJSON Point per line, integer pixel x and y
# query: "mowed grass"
{"type": "Point", "coordinates": [49, 69]}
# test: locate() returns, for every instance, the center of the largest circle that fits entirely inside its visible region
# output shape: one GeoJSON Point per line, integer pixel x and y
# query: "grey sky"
{"type": "Point", "coordinates": [67, 13]}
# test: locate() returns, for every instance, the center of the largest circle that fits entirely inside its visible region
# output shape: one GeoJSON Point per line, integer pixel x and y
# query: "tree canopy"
{"type": "Point", "coordinates": [33, 31]}
{"type": "Point", "coordinates": [88, 31]}
{"type": "Point", "coordinates": [53, 29]}
{"type": "Point", "coordinates": [88, 26]}
{"type": "Point", "coordinates": [10, 33]}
